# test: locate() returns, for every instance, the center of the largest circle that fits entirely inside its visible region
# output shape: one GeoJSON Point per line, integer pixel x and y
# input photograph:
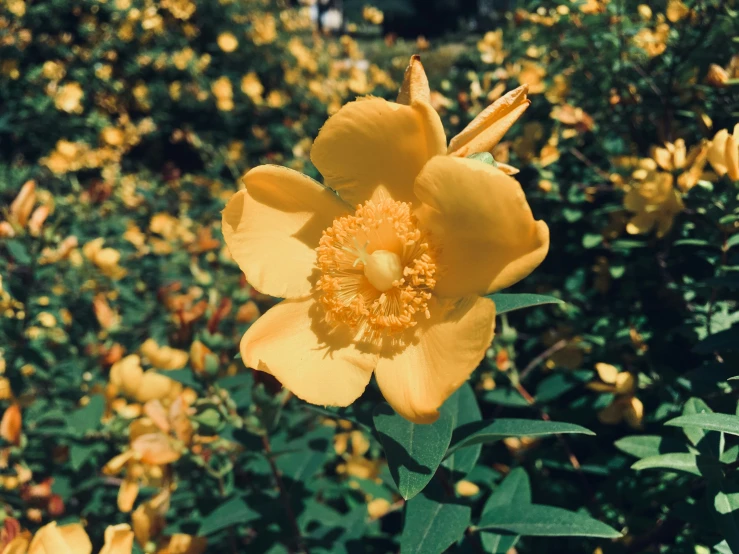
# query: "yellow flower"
{"type": "Point", "coordinates": [164, 357]}
{"type": "Point", "coordinates": [625, 406]}
{"type": "Point", "coordinates": [106, 259]}
{"type": "Point", "coordinates": [70, 539]}
{"type": "Point", "coordinates": [223, 91]}
{"type": "Point", "coordinates": [252, 87]}
{"type": "Point", "coordinates": [128, 377]}
{"type": "Point", "coordinates": [227, 42]}
{"type": "Point", "coordinates": [264, 29]}
{"type": "Point", "coordinates": [675, 157]}
{"type": "Point", "coordinates": [69, 98]}
{"type": "Point", "coordinates": [723, 153]}
{"type": "Point", "coordinates": [386, 275]}
{"type": "Point", "coordinates": [653, 199]}
{"type": "Point", "coordinates": [653, 41]}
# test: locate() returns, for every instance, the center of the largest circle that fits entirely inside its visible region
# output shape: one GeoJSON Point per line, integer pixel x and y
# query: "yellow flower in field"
{"type": "Point", "coordinates": [675, 157]}
{"type": "Point", "coordinates": [127, 377]}
{"type": "Point", "coordinates": [264, 29]}
{"type": "Point", "coordinates": [252, 87]}
{"type": "Point", "coordinates": [227, 42]}
{"type": "Point", "coordinates": [69, 98]}
{"type": "Point", "coordinates": [106, 259]}
{"type": "Point", "coordinates": [625, 406]}
{"type": "Point", "coordinates": [723, 153]}
{"type": "Point", "coordinates": [653, 199]}
{"type": "Point", "coordinates": [164, 357]}
{"type": "Point", "coordinates": [223, 91]}
{"type": "Point", "coordinates": [653, 41]}
{"type": "Point", "coordinates": [386, 275]}
{"type": "Point", "coordinates": [70, 539]}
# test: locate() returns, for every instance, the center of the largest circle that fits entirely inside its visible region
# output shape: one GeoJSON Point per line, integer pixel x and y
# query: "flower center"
{"type": "Point", "coordinates": [377, 270]}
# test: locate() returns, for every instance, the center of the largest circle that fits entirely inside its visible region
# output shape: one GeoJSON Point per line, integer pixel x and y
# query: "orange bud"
{"type": "Point", "coordinates": [11, 424]}
{"type": "Point", "coordinates": [415, 87]}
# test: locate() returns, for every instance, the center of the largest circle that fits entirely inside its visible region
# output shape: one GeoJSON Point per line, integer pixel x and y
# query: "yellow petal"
{"type": "Point", "coordinates": [373, 142]}
{"type": "Point", "coordinates": [272, 228]}
{"type": "Point", "coordinates": [148, 519]}
{"type": "Point", "coordinates": [126, 374]}
{"type": "Point", "coordinates": [480, 219]}
{"type": "Point", "coordinates": [155, 449]}
{"type": "Point", "coordinates": [663, 157]}
{"type": "Point", "coordinates": [486, 130]}
{"type": "Point", "coordinates": [156, 386]}
{"type": "Point", "coordinates": [76, 538]}
{"type": "Point", "coordinates": [51, 539]}
{"type": "Point", "coordinates": [717, 152]}
{"type": "Point", "coordinates": [127, 494]}
{"type": "Point", "coordinates": [447, 348]}
{"type": "Point", "coordinates": [180, 543]}
{"type": "Point", "coordinates": [19, 545]}
{"type": "Point", "coordinates": [316, 363]}
{"type": "Point", "coordinates": [732, 157]}
{"type": "Point", "coordinates": [607, 372]}
{"type": "Point", "coordinates": [118, 539]}
{"type": "Point", "coordinates": [634, 412]}
{"type": "Point", "coordinates": [641, 223]}
{"type": "Point", "coordinates": [415, 85]}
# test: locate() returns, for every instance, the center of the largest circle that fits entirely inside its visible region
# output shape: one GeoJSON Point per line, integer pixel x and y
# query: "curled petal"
{"type": "Point", "coordinates": [445, 351]}
{"type": "Point", "coordinates": [318, 364]}
{"type": "Point", "coordinates": [486, 130]}
{"type": "Point", "coordinates": [272, 228]}
{"type": "Point", "coordinates": [415, 87]}
{"type": "Point", "coordinates": [479, 217]}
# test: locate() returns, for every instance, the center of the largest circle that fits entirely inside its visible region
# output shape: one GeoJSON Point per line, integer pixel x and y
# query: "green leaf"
{"type": "Point", "coordinates": [464, 409]}
{"type": "Point", "coordinates": [723, 506]}
{"type": "Point", "coordinates": [88, 417]}
{"type": "Point", "coordinates": [707, 442]}
{"type": "Point", "coordinates": [538, 520]}
{"type": "Point", "coordinates": [677, 461]}
{"type": "Point", "coordinates": [413, 451]}
{"type": "Point", "coordinates": [432, 525]}
{"type": "Point", "coordinates": [233, 512]}
{"type": "Point", "coordinates": [514, 488]}
{"type": "Point", "coordinates": [724, 340]}
{"type": "Point", "coordinates": [505, 303]}
{"type": "Point", "coordinates": [486, 431]}
{"type": "Point", "coordinates": [713, 422]}
{"type": "Point", "coordinates": [643, 446]}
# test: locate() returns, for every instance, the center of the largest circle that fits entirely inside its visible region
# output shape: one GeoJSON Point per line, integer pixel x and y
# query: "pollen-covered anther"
{"type": "Point", "coordinates": [377, 270]}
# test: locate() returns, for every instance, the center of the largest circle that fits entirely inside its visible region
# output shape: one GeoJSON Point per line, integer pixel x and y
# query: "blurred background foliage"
{"type": "Point", "coordinates": [125, 126]}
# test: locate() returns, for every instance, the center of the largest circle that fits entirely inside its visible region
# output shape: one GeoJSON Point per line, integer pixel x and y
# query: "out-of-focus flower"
{"type": "Point", "coordinates": [224, 94]}
{"type": "Point", "coordinates": [11, 424]}
{"type": "Point", "coordinates": [227, 42]}
{"type": "Point", "coordinates": [68, 98]}
{"type": "Point", "coordinates": [106, 316]}
{"type": "Point", "coordinates": [164, 357]}
{"type": "Point", "coordinates": [531, 74]}
{"type": "Point", "coordinates": [264, 29]}
{"type": "Point", "coordinates": [252, 87]}
{"type": "Point", "coordinates": [674, 157]}
{"type": "Point", "coordinates": [491, 47]}
{"type": "Point", "coordinates": [625, 406]}
{"type": "Point", "coordinates": [573, 117]}
{"type": "Point", "coordinates": [181, 9]}
{"type": "Point", "coordinates": [723, 153]}
{"type": "Point", "coordinates": [653, 40]}
{"type": "Point", "coordinates": [466, 488]}
{"type": "Point", "coordinates": [373, 15]}
{"type": "Point", "coordinates": [106, 259]}
{"type": "Point", "coordinates": [390, 160]}
{"type": "Point", "coordinates": [677, 10]}
{"type": "Point", "coordinates": [128, 377]}
{"type": "Point", "coordinates": [652, 198]}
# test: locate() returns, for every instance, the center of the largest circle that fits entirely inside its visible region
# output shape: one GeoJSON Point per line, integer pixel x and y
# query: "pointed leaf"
{"type": "Point", "coordinates": [505, 303]}
{"type": "Point", "coordinates": [689, 463]}
{"type": "Point", "coordinates": [432, 525]}
{"type": "Point", "coordinates": [464, 409]}
{"type": "Point", "coordinates": [233, 512]}
{"type": "Point", "coordinates": [644, 446]}
{"type": "Point", "coordinates": [413, 451]}
{"type": "Point", "coordinates": [538, 520]}
{"type": "Point", "coordinates": [514, 488]}
{"type": "Point", "coordinates": [713, 422]}
{"type": "Point", "coordinates": [487, 431]}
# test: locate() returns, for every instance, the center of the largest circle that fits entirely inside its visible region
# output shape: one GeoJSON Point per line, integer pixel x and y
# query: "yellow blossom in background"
{"type": "Point", "coordinates": [653, 199]}
{"type": "Point", "coordinates": [227, 42]}
{"type": "Point", "coordinates": [653, 40]}
{"type": "Point", "coordinates": [379, 304]}
{"type": "Point", "coordinates": [723, 153]}
{"type": "Point", "coordinates": [491, 47]}
{"type": "Point", "coordinates": [625, 405]}
{"type": "Point", "coordinates": [68, 98]}
{"type": "Point", "coordinates": [264, 29]}
{"type": "Point", "coordinates": [164, 357]}
{"type": "Point", "coordinates": [373, 15]}
{"type": "Point", "coordinates": [531, 75]}
{"type": "Point", "coordinates": [674, 157]}
{"type": "Point", "coordinates": [223, 91]}
{"type": "Point", "coordinates": [106, 259]}
{"type": "Point", "coordinates": [127, 377]}
{"type": "Point", "coordinates": [70, 539]}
